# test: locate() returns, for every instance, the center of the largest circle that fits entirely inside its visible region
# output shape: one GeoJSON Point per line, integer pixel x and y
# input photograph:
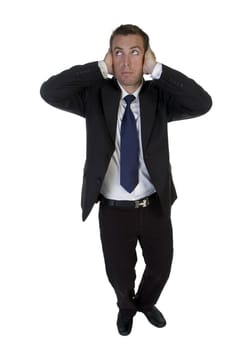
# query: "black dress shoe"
{"type": "Point", "coordinates": [155, 317]}
{"type": "Point", "coordinates": [124, 323]}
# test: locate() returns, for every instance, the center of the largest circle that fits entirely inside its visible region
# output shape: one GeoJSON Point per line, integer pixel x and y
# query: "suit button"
{"type": "Point", "coordinates": [99, 180]}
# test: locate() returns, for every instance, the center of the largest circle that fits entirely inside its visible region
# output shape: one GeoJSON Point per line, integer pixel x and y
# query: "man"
{"type": "Point", "coordinates": [127, 164]}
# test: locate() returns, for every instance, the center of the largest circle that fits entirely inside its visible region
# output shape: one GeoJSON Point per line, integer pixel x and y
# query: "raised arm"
{"type": "Point", "coordinates": [67, 90]}
{"type": "Point", "coordinates": [184, 98]}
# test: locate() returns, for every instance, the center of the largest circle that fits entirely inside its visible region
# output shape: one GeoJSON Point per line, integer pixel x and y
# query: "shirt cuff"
{"type": "Point", "coordinates": [157, 71]}
{"type": "Point", "coordinates": [103, 68]}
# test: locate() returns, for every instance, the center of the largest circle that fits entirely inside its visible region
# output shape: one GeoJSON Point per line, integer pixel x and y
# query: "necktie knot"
{"type": "Point", "coordinates": [129, 99]}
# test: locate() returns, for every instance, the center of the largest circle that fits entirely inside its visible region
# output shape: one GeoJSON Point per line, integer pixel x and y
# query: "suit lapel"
{"type": "Point", "coordinates": [147, 111]}
{"type": "Point", "coordinates": [111, 95]}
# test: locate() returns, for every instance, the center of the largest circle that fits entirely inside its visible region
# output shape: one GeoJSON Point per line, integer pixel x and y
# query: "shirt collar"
{"type": "Point", "coordinates": [125, 93]}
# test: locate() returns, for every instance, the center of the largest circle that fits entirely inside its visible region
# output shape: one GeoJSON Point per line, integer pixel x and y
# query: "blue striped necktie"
{"type": "Point", "coordinates": [129, 150]}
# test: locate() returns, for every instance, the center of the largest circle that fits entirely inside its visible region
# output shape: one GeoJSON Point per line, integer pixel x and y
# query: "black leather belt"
{"type": "Point", "coordinates": [141, 203]}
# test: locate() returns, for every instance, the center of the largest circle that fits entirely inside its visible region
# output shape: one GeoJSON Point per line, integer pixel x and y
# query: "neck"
{"type": "Point", "coordinates": [130, 89]}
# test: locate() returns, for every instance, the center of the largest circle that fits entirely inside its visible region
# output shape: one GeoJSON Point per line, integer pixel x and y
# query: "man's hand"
{"type": "Point", "coordinates": [108, 61]}
{"type": "Point", "coordinates": [149, 61]}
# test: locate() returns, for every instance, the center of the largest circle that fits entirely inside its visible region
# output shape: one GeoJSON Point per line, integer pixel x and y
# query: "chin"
{"type": "Point", "coordinates": [128, 82]}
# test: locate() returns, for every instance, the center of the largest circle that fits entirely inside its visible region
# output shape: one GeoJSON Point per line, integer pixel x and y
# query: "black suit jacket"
{"type": "Point", "coordinates": [83, 90]}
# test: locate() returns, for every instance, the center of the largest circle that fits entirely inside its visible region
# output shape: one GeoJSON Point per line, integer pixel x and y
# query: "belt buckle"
{"type": "Point", "coordinates": [143, 203]}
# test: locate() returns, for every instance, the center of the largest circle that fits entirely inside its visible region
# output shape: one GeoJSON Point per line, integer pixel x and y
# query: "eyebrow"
{"type": "Point", "coordinates": [131, 48]}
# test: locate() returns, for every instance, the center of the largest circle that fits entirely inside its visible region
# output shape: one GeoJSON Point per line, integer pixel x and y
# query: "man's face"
{"type": "Point", "coordinates": [128, 56]}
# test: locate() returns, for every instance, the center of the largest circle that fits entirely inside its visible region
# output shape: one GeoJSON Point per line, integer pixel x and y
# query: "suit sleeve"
{"type": "Point", "coordinates": [68, 89]}
{"type": "Point", "coordinates": [184, 98]}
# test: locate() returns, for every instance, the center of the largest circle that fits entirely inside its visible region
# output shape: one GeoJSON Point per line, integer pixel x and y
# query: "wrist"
{"type": "Point", "coordinates": [157, 70]}
{"type": "Point", "coordinates": [103, 68]}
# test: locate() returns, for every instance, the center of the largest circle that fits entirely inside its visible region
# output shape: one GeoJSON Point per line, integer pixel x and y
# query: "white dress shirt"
{"type": "Point", "coordinates": [111, 187]}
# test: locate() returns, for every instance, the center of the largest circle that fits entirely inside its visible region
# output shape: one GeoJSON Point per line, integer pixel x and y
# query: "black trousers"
{"type": "Point", "coordinates": [121, 229]}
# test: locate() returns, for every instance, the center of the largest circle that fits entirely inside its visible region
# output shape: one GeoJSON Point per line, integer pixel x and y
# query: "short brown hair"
{"type": "Point", "coordinates": [127, 29]}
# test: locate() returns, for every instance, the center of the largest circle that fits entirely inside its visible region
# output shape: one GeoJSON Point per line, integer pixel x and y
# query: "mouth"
{"type": "Point", "coordinates": [127, 73]}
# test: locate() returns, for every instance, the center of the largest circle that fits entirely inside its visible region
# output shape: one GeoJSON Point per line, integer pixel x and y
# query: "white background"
{"type": "Point", "coordinates": [54, 293]}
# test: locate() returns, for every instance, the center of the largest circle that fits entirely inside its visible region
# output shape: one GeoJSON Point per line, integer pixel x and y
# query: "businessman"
{"type": "Point", "coordinates": [127, 168]}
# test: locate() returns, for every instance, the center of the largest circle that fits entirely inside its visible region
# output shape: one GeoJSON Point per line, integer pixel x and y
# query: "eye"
{"type": "Point", "coordinates": [118, 53]}
{"type": "Point", "coordinates": [135, 52]}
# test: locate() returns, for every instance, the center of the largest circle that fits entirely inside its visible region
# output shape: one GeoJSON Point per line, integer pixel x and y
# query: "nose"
{"type": "Point", "coordinates": [126, 60]}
